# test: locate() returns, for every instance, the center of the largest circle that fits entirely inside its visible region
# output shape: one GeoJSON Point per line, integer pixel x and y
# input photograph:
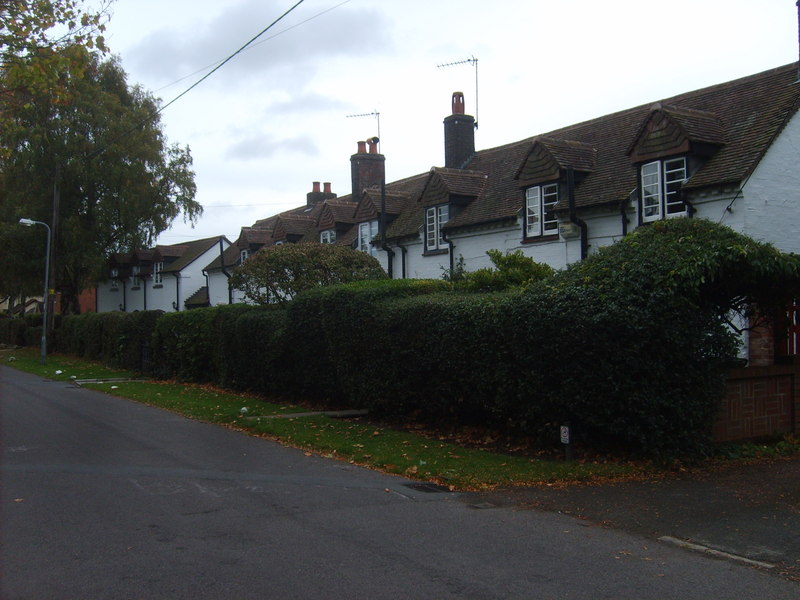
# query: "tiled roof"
{"type": "Point", "coordinates": [171, 251]}
{"type": "Point", "coordinates": [252, 236]}
{"type": "Point", "coordinates": [191, 252]}
{"type": "Point", "coordinates": [741, 117]}
{"type": "Point", "coordinates": [230, 256]}
{"type": "Point", "coordinates": [336, 211]}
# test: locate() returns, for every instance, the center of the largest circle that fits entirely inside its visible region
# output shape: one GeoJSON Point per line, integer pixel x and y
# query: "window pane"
{"type": "Point", "coordinates": [431, 234]}
{"type": "Point", "coordinates": [532, 211]}
{"type": "Point", "coordinates": [651, 191]}
{"type": "Point", "coordinates": [674, 176]}
{"type": "Point", "coordinates": [549, 200]}
{"type": "Point", "coordinates": [442, 216]}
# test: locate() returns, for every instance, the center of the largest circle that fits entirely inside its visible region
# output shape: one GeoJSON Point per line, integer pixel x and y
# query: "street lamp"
{"type": "Point", "coordinates": [46, 297]}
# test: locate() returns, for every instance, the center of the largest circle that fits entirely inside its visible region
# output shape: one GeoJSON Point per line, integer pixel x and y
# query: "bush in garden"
{"type": "Point", "coordinates": [634, 343]}
{"type": "Point", "coordinates": [277, 273]}
{"type": "Point", "coordinates": [511, 270]}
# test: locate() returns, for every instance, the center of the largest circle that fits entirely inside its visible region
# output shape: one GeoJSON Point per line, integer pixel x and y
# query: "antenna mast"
{"type": "Point", "coordinates": [377, 116]}
{"type": "Point", "coordinates": [474, 62]}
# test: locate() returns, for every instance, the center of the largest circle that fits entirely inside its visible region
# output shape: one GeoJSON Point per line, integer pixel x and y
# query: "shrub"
{"type": "Point", "coordinates": [511, 270]}
{"type": "Point", "coordinates": [277, 273]}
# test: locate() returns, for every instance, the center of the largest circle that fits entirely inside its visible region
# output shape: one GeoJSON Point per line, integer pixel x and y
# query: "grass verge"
{"type": "Point", "coordinates": [356, 441]}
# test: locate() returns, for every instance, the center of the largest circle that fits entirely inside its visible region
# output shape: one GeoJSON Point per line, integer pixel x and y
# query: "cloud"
{"type": "Point", "coordinates": [256, 147]}
{"type": "Point", "coordinates": [307, 103]}
{"type": "Point", "coordinates": [303, 40]}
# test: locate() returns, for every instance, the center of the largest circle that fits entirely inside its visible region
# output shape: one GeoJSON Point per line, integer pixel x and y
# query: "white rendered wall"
{"type": "Point", "coordinates": [217, 288]}
{"type": "Point", "coordinates": [109, 299]}
{"type": "Point", "coordinates": [771, 197]}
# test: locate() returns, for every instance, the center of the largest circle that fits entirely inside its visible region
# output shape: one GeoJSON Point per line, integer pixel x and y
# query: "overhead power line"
{"type": "Point", "coordinates": [230, 58]}
{"type": "Point", "coordinates": [264, 41]}
{"type": "Point", "coordinates": [161, 109]}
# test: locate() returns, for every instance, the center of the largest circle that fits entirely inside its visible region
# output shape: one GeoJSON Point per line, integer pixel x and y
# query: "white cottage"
{"type": "Point", "coordinates": [168, 278]}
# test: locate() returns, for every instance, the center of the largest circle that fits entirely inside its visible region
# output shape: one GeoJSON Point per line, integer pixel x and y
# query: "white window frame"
{"type": "Point", "coordinates": [367, 231]}
{"type": "Point", "coordinates": [328, 236]}
{"type": "Point", "coordinates": [244, 255]}
{"type": "Point", "coordinates": [661, 182]}
{"type": "Point", "coordinates": [114, 279]}
{"type": "Point", "coordinates": [136, 280]}
{"type": "Point", "coordinates": [157, 269]}
{"type": "Point", "coordinates": [540, 219]}
{"type": "Point", "coordinates": [435, 218]}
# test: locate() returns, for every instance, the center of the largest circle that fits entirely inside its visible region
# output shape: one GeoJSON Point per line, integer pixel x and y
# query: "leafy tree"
{"type": "Point", "coordinates": [277, 273]}
{"type": "Point", "coordinates": [119, 183]}
{"type": "Point", "coordinates": [38, 39]}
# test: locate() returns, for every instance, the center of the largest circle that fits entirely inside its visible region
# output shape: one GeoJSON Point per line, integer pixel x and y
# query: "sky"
{"type": "Point", "coordinates": [279, 115]}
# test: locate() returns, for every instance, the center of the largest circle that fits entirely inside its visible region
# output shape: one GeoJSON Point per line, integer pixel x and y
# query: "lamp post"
{"type": "Point", "coordinates": [46, 297]}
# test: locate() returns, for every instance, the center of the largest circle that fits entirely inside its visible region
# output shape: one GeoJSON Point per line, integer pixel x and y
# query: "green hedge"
{"type": "Point", "coordinates": [115, 338]}
{"type": "Point", "coordinates": [251, 352]}
{"type": "Point", "coordinates": [237, 346]}
{"type": "Point", "coordinates": [333, 329]}
{"type": "Point", "coordinates": [12, 331]}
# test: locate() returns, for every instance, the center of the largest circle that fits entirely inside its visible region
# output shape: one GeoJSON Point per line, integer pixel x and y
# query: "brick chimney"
{"type": "Point", "coordinates": [315, 196]}
{"type": "Point", "coordinates": [367, 169]}
{"type": "Point", "coordinates": [459, 135]}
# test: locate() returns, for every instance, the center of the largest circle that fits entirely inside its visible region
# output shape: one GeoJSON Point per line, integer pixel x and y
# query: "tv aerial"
{"type": "Point", "coordinates": [469, 61]}
{"type": "Point", "coordinates": [375, 114]}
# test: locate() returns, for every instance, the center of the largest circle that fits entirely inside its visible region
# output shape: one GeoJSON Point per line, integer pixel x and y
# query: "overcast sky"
{"type": "Point", "coordinates": [275, 118]}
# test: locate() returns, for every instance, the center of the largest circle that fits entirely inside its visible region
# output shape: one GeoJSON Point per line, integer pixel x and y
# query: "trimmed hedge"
{"type": "Point", "coordinates": [115, 338]}
{"type": "Point", "coordinates": [12, 331]}
{"type": "Point", "coordinates": [237, 346]}
{"type": "Point", "coordinates": [252, 350]}
{"type": "Point", "coordinates": [333, 329]}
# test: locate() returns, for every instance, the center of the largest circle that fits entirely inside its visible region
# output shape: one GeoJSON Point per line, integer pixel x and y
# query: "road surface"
{"type": "Point", "coordinates": [106, 498]}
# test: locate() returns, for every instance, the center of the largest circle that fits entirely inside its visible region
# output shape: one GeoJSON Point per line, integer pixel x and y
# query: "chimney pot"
{"type": "Point", "coordinates": [362, 147]}
{"type": "Point", "coordinates": [327, 188]}
{"type": "Point", "coordinates": [315, 187]}
{"type": "Point", "coordinates": [373, 145]}
{"type": "Point", "coordinates": [458, 103]}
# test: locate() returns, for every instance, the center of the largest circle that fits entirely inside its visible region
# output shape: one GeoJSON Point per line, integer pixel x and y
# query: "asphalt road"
{"type": "Point", "coordinates": [105, 498]}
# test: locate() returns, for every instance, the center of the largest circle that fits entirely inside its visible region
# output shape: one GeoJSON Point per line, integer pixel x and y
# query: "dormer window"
{"type": "Point", "coordinates": [244, 255]}
{"type": "Point", "coordinates": [328, 236]}
{"type": "Point", "coordinates": [661, 182]}
{"type": "Point", "coordinates": [366, 233]}
{"type": "Point", "coordinates": [435, 219]}
{"type": "Point", "coordinates": [540, 218]}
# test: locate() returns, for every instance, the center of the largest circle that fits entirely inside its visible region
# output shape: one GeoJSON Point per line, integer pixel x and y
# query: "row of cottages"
{"type": "Point", "coordinates": [725, 153]}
